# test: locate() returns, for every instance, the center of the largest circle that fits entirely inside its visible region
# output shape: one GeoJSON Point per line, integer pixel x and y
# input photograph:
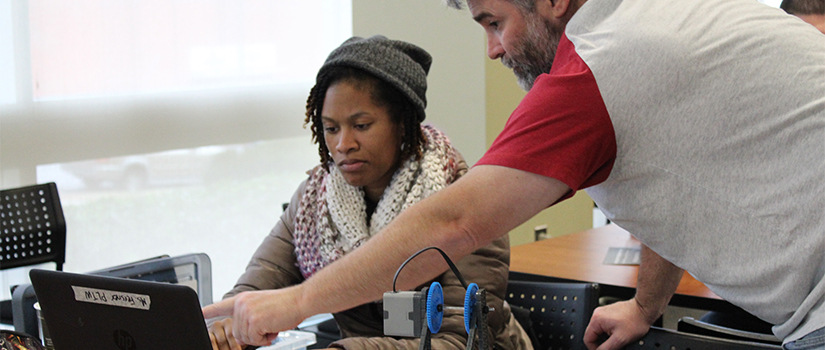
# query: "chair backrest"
{"type": "Point", "coordinates": [32, 228]}
{"type": "Point", "coordinates": [689, 324]}
{"type": "Point", "coordinates": [660, 338]}
{"type": "Point", "coordinates": [559, 312]}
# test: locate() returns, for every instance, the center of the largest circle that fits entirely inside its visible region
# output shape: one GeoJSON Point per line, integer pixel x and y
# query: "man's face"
{"type": "Point", "coordinates": [525, 42]}
{"type": "Point", "coordinates": [533, 53]}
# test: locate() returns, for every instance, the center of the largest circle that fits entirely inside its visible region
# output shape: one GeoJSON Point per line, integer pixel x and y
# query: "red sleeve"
{"type": "Point", "coordinates": [561, 129]}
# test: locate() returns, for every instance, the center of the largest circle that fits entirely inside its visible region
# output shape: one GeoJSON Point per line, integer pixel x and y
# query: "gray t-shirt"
{"type": "Point", "coordinates": [718, 108]}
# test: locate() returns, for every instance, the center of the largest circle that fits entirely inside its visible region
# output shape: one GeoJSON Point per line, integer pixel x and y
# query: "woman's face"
{"type": "Point", "coordinates": [362, 138]}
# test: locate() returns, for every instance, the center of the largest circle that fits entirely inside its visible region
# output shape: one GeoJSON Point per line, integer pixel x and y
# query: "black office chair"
{"type": "Point", "coordinates": [691, 325]}
{"type": "Point", "coordinates": [32, 231]}
{"type": "Point", "coordinates": [558, 312]}
{"type": "Point", "coordinates": [668, 339]}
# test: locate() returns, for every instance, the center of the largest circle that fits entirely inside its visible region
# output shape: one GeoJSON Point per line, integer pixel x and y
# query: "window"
{"type": "Point", "coordinates": [221, 200]}
{"type": "Point", "coordinates": [169, 126]}
{"type": "Point", "coordinates": [129, 47]}
{"type": "Point", "coordinates": [7, 95]}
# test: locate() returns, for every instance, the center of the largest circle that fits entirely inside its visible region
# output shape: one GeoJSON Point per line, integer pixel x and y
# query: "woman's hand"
{"type": "Point", "coordinates": [220, 333]}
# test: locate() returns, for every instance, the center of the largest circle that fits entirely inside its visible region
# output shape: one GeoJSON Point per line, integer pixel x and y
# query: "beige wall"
{"type": "Point", "coordinates": [470, 96]}
{"type": "Point", "coordinates": [456, 79]}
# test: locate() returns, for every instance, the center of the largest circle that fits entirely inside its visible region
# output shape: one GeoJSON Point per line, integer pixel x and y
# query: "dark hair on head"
{"type": "Point", "coordinates": [402, 111]}
{"type": "Point", "coordinates": [803, 7]}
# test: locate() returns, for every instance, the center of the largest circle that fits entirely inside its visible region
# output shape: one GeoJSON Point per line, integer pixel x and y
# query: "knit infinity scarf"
{"type": "Point", "coordinates": [331, 220]}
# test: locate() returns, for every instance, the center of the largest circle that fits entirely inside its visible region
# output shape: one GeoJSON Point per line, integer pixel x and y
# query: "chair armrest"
{"type": "Point", "coordinates": [692, 325]}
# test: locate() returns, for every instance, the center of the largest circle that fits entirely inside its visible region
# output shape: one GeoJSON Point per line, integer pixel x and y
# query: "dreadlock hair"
{"type": "Point", "coordinates": [400, 108]}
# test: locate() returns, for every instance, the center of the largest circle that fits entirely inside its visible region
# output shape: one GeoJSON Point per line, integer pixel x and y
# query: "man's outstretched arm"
{"type": "Point", "coordinates": [483, 205]}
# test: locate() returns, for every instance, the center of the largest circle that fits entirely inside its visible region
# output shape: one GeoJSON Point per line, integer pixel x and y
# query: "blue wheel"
{"type": "Point", "coordinates": [435, 307]}
{"type": "Point", "coordinates": [469, 305]}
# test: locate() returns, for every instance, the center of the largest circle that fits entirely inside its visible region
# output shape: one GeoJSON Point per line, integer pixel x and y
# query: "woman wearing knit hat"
{"type": "Point", "coordinates": [365, 112]}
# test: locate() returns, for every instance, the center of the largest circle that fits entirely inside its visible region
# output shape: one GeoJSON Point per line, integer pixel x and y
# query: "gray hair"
{"type": "Point", "coordinates": [526, 6]}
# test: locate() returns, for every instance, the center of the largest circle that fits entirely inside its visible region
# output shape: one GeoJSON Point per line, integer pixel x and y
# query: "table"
{"type": "Point", "coordinates": [579, 257]}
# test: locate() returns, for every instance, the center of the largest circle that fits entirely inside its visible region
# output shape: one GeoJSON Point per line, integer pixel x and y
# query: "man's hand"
{"type": "Point", "coordinates": [258, 316]}
{"type": "Point", "coordinates": [616, 325]}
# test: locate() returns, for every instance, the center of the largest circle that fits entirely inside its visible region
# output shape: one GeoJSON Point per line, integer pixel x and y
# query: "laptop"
{"type": "Point", "coordinates": [84, 311]}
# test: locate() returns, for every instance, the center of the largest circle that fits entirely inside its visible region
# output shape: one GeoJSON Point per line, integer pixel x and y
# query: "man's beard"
{"type": "Point", "coordinates": [534, 53]}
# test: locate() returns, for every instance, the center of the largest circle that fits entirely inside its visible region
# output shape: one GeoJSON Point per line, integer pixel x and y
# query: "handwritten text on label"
{"type": "Point", "coordinates": [111, 297]}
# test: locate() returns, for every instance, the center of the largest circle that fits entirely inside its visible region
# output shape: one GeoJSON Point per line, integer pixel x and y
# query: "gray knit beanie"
{"type": "Point", "coordinates": [398, 63]}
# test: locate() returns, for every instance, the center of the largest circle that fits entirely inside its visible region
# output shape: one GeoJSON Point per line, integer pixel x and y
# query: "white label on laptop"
{"type": "Point", "coordinates": [111, 297]}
